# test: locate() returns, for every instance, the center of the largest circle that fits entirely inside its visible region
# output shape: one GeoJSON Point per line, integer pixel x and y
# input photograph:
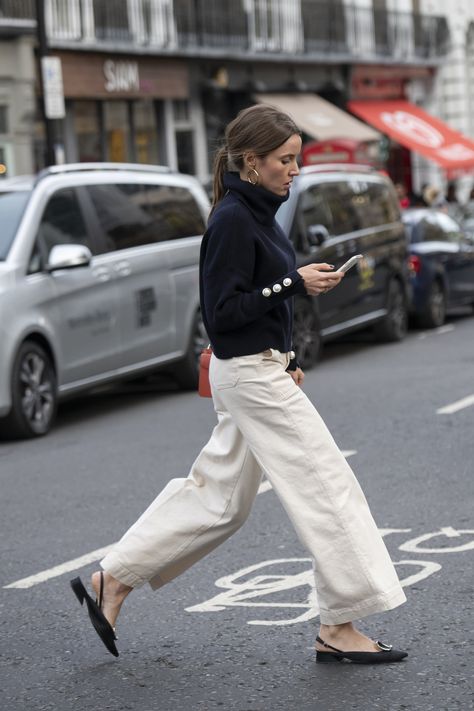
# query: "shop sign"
{"type": "Point", "coordinates": [52, 76]}
{"type": "Point", "coordinates": [121, 76]}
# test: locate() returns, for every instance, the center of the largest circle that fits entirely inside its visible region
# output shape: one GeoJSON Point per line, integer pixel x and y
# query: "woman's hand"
{"type": "Point", "coordinates": [297, 375]}
{"type": "Point", "coordinates": [319, 278]}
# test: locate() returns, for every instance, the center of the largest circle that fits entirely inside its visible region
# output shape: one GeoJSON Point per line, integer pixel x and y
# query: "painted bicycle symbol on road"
{"type": "Point", "coordinates": [264, 585]}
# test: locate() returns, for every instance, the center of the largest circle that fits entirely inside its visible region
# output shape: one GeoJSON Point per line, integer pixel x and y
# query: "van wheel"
{"type": "Point", "coordinates": [394, 325]}
{"type": "Point", "coordinates": [434, 313]}
{"type": "Point", "coordinates": [306, 334]}
{"type": "Point", "coordinates": [34, 394]}
{"type": "Point", "coordinates": [186, 371]}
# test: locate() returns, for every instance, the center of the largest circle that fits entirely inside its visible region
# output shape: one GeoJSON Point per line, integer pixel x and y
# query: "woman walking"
{"type": "Point", "coordinates": [265, 422]}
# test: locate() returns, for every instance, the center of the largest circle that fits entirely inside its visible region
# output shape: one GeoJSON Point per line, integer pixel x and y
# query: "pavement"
{"type": "Point", "coordinates": [236, 632]}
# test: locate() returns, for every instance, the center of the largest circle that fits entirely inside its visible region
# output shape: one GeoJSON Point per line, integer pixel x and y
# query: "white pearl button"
{"type": "Point", "coordinates": [276, 288]}
{"type": "Point", "coordinates": [266, 291]}
{"type": "Point", "coordinates": [292, 355]}
{"type": "Point", "coordinates": [287, 281]}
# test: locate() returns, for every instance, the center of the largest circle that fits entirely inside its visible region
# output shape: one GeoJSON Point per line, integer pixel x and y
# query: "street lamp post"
{"type": "Point", "coordinates": [43, 52]}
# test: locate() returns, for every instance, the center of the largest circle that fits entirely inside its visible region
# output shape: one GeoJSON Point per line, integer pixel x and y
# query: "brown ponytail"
{"type": "Point", "coordinates": [220, 166]}
{"type": "Point", "coordinates": [259, 129]}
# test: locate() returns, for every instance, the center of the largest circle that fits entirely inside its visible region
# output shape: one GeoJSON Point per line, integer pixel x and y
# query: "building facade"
{"type": "Point", "coordinates": [157, 80]}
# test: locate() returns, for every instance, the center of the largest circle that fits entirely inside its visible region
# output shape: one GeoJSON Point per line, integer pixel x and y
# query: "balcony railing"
{"type": "Point", "coordinates": [16, 15]}
{"type": "Point", "coordinates": [305, 29]}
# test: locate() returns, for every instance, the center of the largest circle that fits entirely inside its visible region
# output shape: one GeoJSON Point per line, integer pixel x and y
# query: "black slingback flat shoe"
{"type": "Point", "coordinates": [100, 623]}
{"type": "Point", "coordinates": [385, 656]}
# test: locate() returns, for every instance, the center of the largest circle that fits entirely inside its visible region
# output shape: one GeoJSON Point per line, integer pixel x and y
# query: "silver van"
{"type": "Point", "coordinates": [98, 282]}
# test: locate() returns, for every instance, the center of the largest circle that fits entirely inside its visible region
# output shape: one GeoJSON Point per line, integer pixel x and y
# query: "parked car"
{"type": "Point", "coordinates": [98, 282]}
{"type": "Point", "coordinates": [441, 265]}
{"type": "Point", "coordinates": [333, 213]}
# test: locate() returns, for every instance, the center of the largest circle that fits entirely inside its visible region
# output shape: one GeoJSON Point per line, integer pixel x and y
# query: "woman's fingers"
{"type": "Point", "coordinates": [319, 278]}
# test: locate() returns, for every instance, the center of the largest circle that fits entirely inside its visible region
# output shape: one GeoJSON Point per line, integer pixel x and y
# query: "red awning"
{"type": "Point", "coordinates": [418, 131]}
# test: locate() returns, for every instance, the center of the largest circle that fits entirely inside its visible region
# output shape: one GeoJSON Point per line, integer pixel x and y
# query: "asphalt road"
{"type": "Point", "coordinates": [236, 632]}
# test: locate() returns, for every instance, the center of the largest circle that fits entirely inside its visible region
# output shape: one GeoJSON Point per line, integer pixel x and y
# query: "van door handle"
{"type": "Point", "coordinates": [101, 273]}
{"type": "Point", "coordinates": [122, 268]}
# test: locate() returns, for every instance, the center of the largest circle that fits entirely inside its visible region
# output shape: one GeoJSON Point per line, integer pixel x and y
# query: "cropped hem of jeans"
{"type": "Point", "coordinates": [378, 603]}
{"type": "Point", "coordinates": [114, 566]}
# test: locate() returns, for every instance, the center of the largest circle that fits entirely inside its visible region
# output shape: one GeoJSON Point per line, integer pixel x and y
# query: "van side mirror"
{"type": "Point", "coordinates": [68, 256]}
{"type": "Point", "coordinates": [316, 235]}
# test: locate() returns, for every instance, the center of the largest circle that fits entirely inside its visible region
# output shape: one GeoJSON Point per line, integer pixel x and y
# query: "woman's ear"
{"type": "Point", "coordinates": [250, 159]}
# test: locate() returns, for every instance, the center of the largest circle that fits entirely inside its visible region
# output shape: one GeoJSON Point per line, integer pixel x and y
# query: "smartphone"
{"type": "Point", "coordinates": [350, 263]}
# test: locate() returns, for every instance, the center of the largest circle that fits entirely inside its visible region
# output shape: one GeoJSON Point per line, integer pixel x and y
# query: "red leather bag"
{"type": "Point", "coordinates": [204, 388]}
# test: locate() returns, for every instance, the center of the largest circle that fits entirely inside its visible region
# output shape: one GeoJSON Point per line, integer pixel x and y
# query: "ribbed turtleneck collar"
{"type": "Point", "coordinates": [260, 201]}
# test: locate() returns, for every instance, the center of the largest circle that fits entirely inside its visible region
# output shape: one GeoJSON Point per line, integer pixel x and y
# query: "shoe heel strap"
{"type": "Point", "coordinates": [101, 589]}
{"type": "Point", "coordinates": [334, 649]}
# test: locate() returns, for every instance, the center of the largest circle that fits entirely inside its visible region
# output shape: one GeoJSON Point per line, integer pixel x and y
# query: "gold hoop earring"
{"type": "Point", "coordinates": [253, 173]}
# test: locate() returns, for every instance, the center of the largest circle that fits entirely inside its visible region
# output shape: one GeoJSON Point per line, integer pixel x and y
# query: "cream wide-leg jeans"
{"type": "Point", "coordinates": [266, 424]}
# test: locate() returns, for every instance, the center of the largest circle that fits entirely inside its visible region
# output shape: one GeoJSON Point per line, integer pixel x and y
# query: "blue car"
{"type": "Point", "coordinates": [441, 264]}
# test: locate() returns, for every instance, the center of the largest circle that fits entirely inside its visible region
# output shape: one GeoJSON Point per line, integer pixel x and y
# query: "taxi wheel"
{"type": "Point", "coordinates": [186, 371]}
{"type": "Point", "coordinates": [394, 325]}
{"type": "Point", "coordinates": [306, 334]}
{"type": "Point", "coordinates": [34, 394]}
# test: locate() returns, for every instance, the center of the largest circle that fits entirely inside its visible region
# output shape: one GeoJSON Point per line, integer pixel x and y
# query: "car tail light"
{"type": "Point", "coordinates": [414, 264]}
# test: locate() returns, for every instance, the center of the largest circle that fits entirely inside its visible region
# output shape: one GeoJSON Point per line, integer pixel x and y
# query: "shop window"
{"type": "Point", "coordinates": [3, 119]}
{"type": "Point", "coordinates": [185, 151]}
{"type": "Point", "coordinates": [87, 131]}
{"type": "Point", "coordinates": [181, 111]}
{"type": "Point", "coordinates": [117, 128]}
{"type": "Point", "coordinates": [145, 132]}
{"type": "Point", "coordinates": [63, 222]}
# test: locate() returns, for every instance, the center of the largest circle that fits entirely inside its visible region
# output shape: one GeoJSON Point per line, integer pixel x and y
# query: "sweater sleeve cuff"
{"type": "Point", "coordinates": [290, 284]}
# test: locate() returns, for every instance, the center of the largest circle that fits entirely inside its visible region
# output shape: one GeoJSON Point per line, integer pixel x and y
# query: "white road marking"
{"type": "Point", "coordinates": [83, 560]}
{"type": "Point", "coordinates": [444, 329]}
{"type": "Point", "coordinates": [413, 546]}
{"type": "Point", "coordinates": [60, 569]}
{"type": "Point", "coordinates": [251, 587]}
{"type": "Point", "coordinates": [436, 331]}
{"type": "Point", "coordinates": [456, 406]}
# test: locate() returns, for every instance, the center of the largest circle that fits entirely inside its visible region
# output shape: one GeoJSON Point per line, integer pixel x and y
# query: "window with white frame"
{"type": "Point", "coordinates": [63, 19]}
{"type": "Point", "coordinates": [152, 22]}
{"type": "Point", "coordinates": [275, 25]}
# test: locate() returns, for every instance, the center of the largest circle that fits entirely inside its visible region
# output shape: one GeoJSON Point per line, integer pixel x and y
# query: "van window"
{"type": "Point", "coordinates": [340, 200]}
{"type": "Point", "coordinates": [375, 204]}
{"type": "Point", "coordinates": [314, 209]}
{"type": "Point", "coordinates": [174, 212]}
{"type": "Point", "coordinates": [132, 215]}
{"type": "Point", "coordinates": [62, 222]}
{"type": "Point", "coordinates": [12, 206]}
{"type": "Point", "coordinates": [122, 215]}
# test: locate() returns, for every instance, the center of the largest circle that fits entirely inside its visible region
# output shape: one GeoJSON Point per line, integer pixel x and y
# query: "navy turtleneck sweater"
{"type": "Point", "coordinates": [247, 273]}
